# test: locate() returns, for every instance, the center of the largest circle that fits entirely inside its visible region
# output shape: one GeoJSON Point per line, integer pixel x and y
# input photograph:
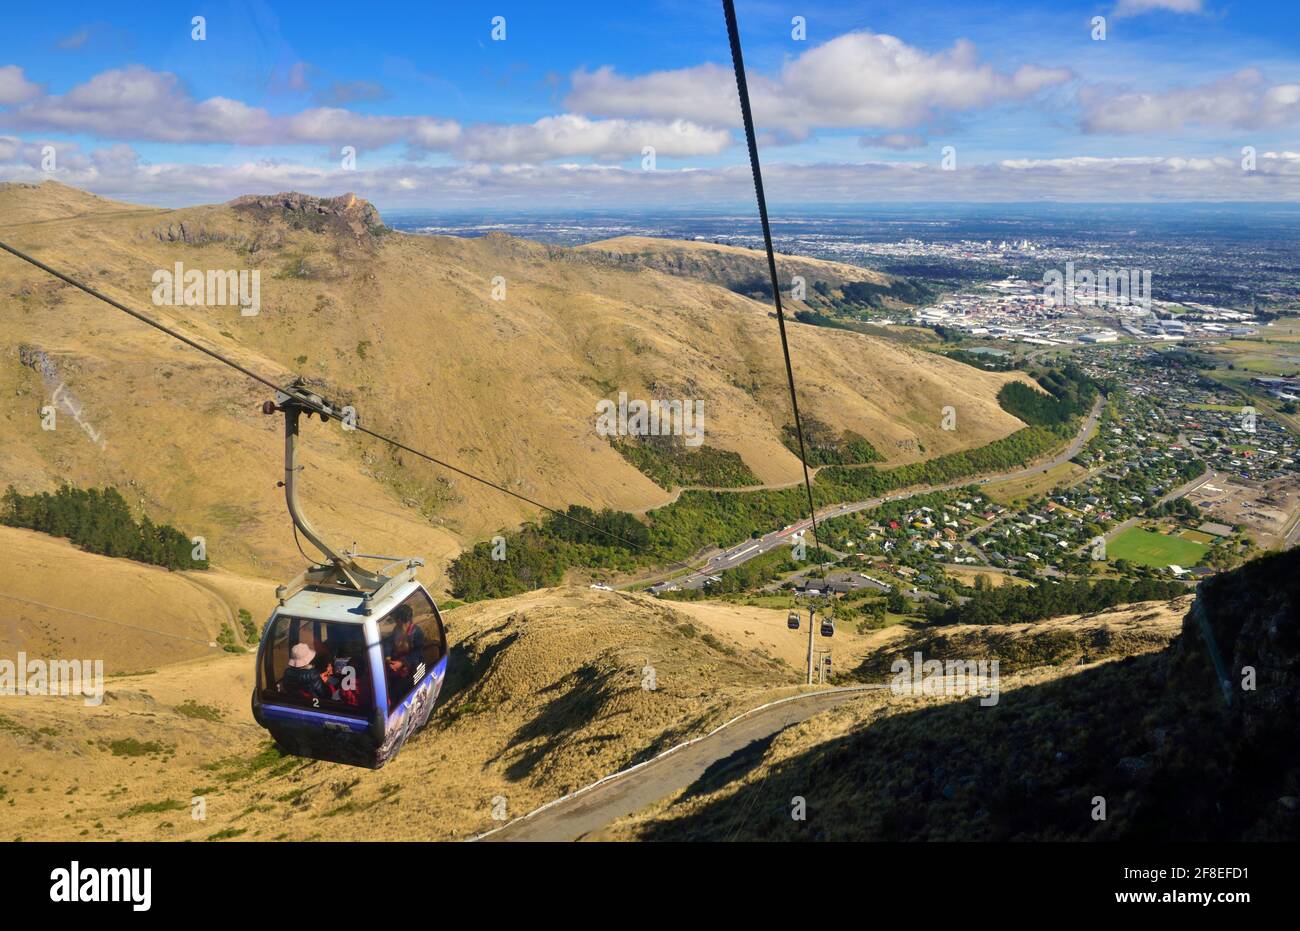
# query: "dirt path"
{"type": "Point", "coordinates": [589, 809]}
{"type": "Point", "coordinates": [220, 598]}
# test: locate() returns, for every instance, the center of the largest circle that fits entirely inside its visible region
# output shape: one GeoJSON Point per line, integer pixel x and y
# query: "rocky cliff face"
{"type": "Point", "coordinates": [316, 213]}
{"type": "Point", "coordinates": [348, 218]}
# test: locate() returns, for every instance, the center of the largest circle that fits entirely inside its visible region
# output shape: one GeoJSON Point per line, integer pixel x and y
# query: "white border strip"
{"type": "Point", "coordinates": [681, 746]}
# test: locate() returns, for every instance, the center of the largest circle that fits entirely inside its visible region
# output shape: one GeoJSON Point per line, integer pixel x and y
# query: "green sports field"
{"type": "Point", "coordinates": [1154, 549]}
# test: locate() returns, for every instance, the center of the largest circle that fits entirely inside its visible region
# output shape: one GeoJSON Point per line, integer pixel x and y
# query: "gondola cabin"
{"type": "Point", "coordinates": [828, 627]}
{"type": "Point", "coordinates": [335, 683]}
{"type": "Point", "coordinates": [792, 621]}
{"type": "Point", "coordinates": [352, 660]}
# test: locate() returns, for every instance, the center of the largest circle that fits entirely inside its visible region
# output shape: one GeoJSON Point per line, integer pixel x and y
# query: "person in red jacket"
{"type": "Point", "coordinates": [346, 684]}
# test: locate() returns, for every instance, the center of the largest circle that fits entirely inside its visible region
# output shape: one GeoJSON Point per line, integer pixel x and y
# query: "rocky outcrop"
{"type": "Point", "coordinates": [191, 234]}
{"type": "Point", "coordinates": [266, 221]}
{"type": "Point", "coordinates": [37, 360]}
{"type": "Point", "coordinates": [348, 212]}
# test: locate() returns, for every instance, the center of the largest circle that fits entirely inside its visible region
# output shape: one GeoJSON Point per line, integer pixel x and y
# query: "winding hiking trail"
{"type": "Point", "coordinates": [579, 814]}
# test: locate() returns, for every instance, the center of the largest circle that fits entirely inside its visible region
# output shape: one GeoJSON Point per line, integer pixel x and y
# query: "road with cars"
{"type": "Point", "coordinates": [743, 552]}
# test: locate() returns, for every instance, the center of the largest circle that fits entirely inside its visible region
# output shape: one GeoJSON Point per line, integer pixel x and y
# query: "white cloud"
{"type": "Point", "coordinates": [335, 126]}
{"type": "Point", "coordinates": [703, 94]}
{"type": "Point", "coordinates": [1138, 7]}
{"type": "Point", "coordinates": [570, 135]}
{"type": "Point", "coordinates": [75, 40]}
{"type": "Point", "coordinates": [14, 88]}
{"type": "Point", "coordinates": [115, 172]}
{"type": "Point", "coordinates": [1244, 100]}
{"type": "Point", "coordinates": [896, 141]}
{"type": "Point", "coordinates": [860, 79]}
{"type": "Point", "coordinates": [864, 79]}
{"type": "Point", "coordinates": [137, 103]}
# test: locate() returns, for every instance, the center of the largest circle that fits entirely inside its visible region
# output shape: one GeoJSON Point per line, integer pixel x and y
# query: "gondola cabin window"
{"type": "Point", "coordinates": [413, 643]}
{"type": "Point", "coordinates": [320, 665]}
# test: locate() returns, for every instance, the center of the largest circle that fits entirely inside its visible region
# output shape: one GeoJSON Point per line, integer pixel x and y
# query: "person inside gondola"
{"type": "Point", "coordinates": [346, 686]}
{"type": "Point", "coordinates": [401, 659]}
{"type": "Point", "coordinates": [302, 679]}
{"type": "Point", "coordinates": [405, 619]}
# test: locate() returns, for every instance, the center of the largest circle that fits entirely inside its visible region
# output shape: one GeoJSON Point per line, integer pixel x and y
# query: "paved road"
{"type": "Point", "coordinates": [743, 552]}
{"type": "Point", "coordinates": [578, 815]}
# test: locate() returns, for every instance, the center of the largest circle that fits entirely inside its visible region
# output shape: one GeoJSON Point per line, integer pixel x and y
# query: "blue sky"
{"type": "Point", "coordinates": [1031, 103]}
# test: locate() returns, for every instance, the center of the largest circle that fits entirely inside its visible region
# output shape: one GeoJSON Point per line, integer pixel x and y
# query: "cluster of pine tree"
{"type": "Point", "coordinates": [823, 446]}
{"type": "Point", "coordinates": [844, 484]}
{"type": "Point", "coordinates": [99, 521]}
{"type": "Point", "coordinates": [605, 527]}
{"type": "Point", "coordinates": [1016, 605]}
{"type": "Point", "coordinates": [669, 463]}
{"type": "Point", "coordinates": [537, 556]}
{"type": "Point", "coordinates": [1070, 394]}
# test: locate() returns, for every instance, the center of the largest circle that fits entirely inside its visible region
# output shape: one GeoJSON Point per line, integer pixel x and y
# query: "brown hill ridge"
{"type": "Point", "coordinates": [732, 267]}
{"type": "Point", "coordinates": [411, 324]}
{"type": "Point", "coordinates": [52, 200]}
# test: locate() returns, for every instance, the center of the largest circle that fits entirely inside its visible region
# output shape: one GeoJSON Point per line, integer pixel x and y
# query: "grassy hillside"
{"type": "Point", "coordinates": [832, 294]}
{"type": "Point", "coordinates": [546, 693]}
{"type": "Point", "coordinates": [407, 330]}
{"type": "Point", "coordinates": [59, 601]}
{"type": "Point", "coordinates": [732, 267]}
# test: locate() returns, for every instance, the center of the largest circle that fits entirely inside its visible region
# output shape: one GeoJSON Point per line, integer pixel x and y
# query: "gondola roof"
{"type": "Point", "coordinates": [336, 604]}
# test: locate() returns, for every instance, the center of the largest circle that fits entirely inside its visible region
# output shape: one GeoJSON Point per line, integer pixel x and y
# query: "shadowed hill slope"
{"type": "Point", "coordinates": [1151, 735]}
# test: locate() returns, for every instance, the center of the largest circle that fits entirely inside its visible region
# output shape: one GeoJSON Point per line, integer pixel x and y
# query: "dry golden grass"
{"type": "Point", "coordinates": [765, 629]}
{"type": "Point", "coordinates": [545, 696]}
{"type": "Point", "coordinates": [32, 203]}
{"type": "Point", "coordinates": [506, 388]}
{"type": "Point", "coordinates": [967, 576]}
{"type": "Point", "coordinates": [1060, 641]}
{"type": "Point", "coordinates": [1021, 489]}
{"type": "Point", "coordinates": [61, 602]}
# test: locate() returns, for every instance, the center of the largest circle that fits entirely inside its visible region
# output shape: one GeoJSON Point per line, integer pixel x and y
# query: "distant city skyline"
{"type": "Point", "coordinates": [512, 106]}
